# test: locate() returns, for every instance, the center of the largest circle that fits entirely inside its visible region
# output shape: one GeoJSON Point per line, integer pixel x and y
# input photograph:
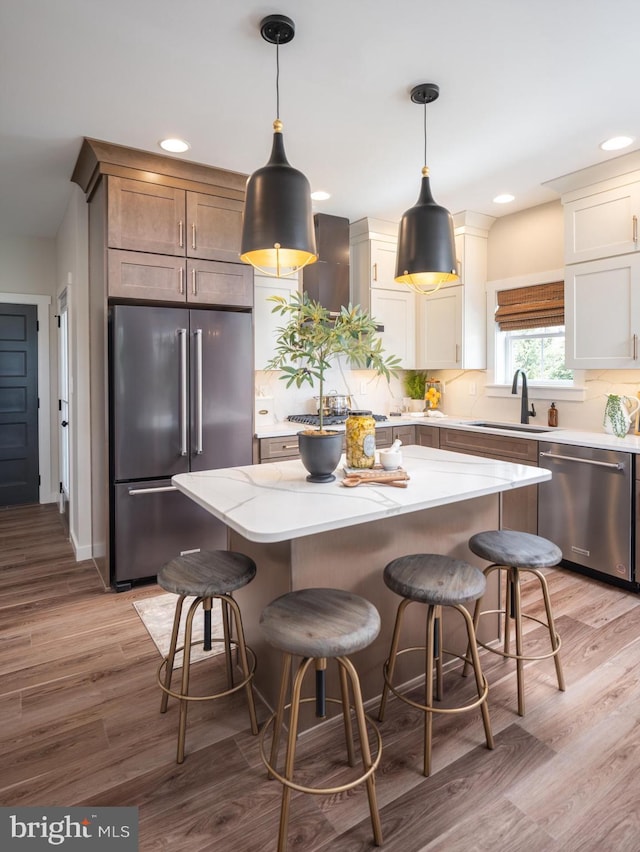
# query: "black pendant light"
{"type": "Point", "coordinates": [278, 236]}
{"type": "Point", "coordinates": [426, 256]}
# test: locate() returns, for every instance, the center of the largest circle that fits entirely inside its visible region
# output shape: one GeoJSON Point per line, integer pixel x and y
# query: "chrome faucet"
{"type": "Point", "coordinates": [525, 414]}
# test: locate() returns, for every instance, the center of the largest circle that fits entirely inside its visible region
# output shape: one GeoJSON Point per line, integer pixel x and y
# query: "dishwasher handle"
{"type": "Point", "coordinates": [615, 465]}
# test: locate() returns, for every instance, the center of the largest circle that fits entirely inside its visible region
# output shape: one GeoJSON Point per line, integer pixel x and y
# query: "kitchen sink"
{"type": "Point", "coordinates": [512, 427]}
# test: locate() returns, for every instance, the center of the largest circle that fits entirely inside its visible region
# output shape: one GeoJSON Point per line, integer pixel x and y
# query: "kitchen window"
{"type": "Point", "coordinates": [530, 334]}
{"type": "Point", "coordinates": [527, 318]}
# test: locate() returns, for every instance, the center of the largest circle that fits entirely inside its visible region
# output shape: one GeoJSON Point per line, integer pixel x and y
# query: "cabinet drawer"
{"type": "Point", "coordinates": [136, 275]}
{"type": "Point", "coordinates": [274, 449]}
{"type": "Point", "coordinates": [507, 448]}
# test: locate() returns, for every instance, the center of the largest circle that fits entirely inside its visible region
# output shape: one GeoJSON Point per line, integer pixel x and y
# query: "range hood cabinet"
{"type": "Point", "coordinates": [327, 280]}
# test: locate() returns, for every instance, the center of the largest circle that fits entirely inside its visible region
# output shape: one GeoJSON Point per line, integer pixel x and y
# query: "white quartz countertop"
{"type": "Point", "coordinates": [274, 502]}
{"type": "Point", "coordinates": [600, 440]}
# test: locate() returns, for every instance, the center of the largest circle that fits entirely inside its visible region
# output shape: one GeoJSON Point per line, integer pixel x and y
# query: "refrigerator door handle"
{"type": "Point", "coordinates": [182, 332]}
{"type": "Point", "coordinates": [198, 336]}
{"type": "Point", "coordinates": [157, 490]}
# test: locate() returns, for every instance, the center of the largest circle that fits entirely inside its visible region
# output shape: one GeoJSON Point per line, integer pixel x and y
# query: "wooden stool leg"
{"type": "Point", "coordinates": [477, 669]}
{"type": "Point", "coordinates": [168, 674]}
{"type": "Point", "coordinates": [509, 606]}
{"type": "Point", "coordinates": [428, 688]}
{"type": "Point", "coordinates": [555, 643]}
{"type": "Point", "coordinates": [392, 657]}
{"type": "Point", "coordinates": [348, 667]}
{"type": "Point", "coordinates": [227, 638]}
{"type": "Point", "coordinates": [186, 660]}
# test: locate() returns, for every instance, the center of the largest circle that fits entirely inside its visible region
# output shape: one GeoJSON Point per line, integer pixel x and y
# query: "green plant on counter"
{"type": "Point", "coordinates": [312, 338]}
{"type": "Point", "coordinates": [617, 416]}
{"type": "Point", "coordinates": [415, 382]}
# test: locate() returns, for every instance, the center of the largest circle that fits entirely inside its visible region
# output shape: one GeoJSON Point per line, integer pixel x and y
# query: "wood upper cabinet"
{"type": "Point", "coordinates": [214, 227]}
{"type": "Point", "coordinates": [144, 277]}
{"type": "Point", "coordinates": [146, 217]}
{"type": "Point", "coordinates": [211, 282]}
{"type": "Point", "coordinates": [163, 278]}
{"type": "Point", "coordinates": [151, 217]}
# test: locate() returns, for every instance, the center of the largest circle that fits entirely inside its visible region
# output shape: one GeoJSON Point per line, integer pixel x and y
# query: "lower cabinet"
{"type": "Point", "coordinates": [427, 436]}
{"type": "Point", "coordinates": [519, 507]}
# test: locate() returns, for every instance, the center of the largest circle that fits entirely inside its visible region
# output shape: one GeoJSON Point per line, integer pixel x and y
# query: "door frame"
{"type": "Point", "coordinates": [43, 303]}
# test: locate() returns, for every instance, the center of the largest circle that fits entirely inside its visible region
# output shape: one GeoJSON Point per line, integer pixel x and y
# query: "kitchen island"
{"type": "Point", "coordinates": [304, 535]}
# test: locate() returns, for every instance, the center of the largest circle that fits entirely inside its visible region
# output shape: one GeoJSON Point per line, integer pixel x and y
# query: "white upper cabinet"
{"type": "Point", "coordinates": [603, 223]}
{"type": "Point", "coordinates": [372, 270]}
{"type": "Point", "coordinates": [452, 322]}
{"type": "Point", "coordinates": [602, 313]}
{"type": "Point", "coordinates": [602, 272]}
{"type": "Point", "coordinates": [266, 323]}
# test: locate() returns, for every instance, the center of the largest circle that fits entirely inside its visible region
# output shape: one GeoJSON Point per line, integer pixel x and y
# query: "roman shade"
{"type": "Point", "coordinates": [538, 306]}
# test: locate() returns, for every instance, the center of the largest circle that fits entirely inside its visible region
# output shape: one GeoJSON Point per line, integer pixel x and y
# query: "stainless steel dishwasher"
{"type": "Point", "coordinates": [587, 509]}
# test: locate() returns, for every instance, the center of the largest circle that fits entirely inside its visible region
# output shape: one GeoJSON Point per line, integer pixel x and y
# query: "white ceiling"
{"type": "Point", "coordinates": [528, 90]}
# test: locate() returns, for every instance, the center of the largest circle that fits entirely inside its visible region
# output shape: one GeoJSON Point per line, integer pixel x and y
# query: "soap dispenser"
{"type": "Point", "coordinates": [553, 415]}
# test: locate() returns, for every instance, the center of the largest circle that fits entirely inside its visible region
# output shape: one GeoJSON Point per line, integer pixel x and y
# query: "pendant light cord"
{"type": "Point", "coordinates": [425, 134]}
{"type": "Point", "coordinates": [278, 78]}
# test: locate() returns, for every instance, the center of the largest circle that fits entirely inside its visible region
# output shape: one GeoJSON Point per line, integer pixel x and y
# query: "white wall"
{"type": "Point", "coordinates": [72, 247]}
{"type": "Point", "coordinates": [28, 267]}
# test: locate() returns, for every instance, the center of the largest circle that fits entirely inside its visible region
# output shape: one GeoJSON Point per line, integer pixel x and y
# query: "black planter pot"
{"type": "Point", "coordinates": [320, 454]}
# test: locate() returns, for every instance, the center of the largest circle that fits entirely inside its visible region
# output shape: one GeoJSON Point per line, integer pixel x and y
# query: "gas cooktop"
{"type": "Point", "coordinates": [328, 419]}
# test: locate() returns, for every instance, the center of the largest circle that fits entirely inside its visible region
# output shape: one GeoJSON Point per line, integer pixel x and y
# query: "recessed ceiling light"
{"type": "Point", "coordinates": [505, 198]}
{"type": "Point", "coordinates": [320, 195]}
{"type": "Point", "coordinates": [616, 143]}
{"type": "Point", "coordinates": [175, 146]}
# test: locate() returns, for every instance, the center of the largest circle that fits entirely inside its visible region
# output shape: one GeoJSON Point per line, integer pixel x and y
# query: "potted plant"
{"type": "Point", "coordinates": [415, 382]}
{"type": "Point", "coordinates": [305, 348]}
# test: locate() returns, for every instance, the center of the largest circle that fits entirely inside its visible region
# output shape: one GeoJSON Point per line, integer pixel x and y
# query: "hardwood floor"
{"type": "Point", "coordinates": [80, 725]}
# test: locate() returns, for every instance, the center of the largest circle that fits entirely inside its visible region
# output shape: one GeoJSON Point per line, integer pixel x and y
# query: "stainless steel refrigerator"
{"type": "Point", "coordinates": [181, 399]}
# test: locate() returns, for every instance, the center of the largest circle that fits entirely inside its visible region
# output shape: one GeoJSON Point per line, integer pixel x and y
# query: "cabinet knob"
{"type": "Point", "coordinates": [635, 229]}
{"type": "Point", "coordinates": [375, 272]}
{"type": "Point", "coordinates": [193, 235]}
{"type": "Point", "coordinates": [194, 289]}
{"type": "Point", "coordinates": [181, 234]}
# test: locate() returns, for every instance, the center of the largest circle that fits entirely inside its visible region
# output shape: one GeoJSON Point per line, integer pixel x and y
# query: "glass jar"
{"type": "Point", "coordinates": [432, 393]}
{"type": "Point", "coordinates": [361, 439]}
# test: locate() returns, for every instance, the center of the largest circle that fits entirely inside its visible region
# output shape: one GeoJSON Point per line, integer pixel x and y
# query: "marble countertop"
{"type": "Point", "coordinates": [274, 502]}
{"type": "Point", "coordinates": [600, 440]}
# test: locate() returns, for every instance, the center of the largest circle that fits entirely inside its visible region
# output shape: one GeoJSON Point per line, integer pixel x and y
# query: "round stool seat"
{"type": "Point", "coordinates": [434, 579]}
{"type": "Point", "coordinates": [207, 573]}
{"type": "Point", "coordinates": [518, 549]}
{"type": "Point", "coordinates": [320, 623]}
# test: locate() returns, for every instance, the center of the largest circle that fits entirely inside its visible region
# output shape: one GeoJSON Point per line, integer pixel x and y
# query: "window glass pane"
{"type": "Point", "coordinates": [540, 355]}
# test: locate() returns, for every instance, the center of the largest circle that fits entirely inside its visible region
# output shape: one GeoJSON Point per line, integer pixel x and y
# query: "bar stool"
{"type": "Point", "coordinates": [436, 581]}
{"type": "Point", "coordinates": [516, 553]}
{"type": "Point", "coordinates": [207, 575]}
{"type": "Point", "coordinates": [320, 624]}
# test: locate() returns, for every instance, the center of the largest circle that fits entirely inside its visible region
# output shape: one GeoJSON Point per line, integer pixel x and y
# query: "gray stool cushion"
{"type": "Point", "coordinates": [320, 623]}
{"type": "Point", "coordinates": [434, 579]}
{"type": "Point", "coordinates": [518, 549]}
{"type": "Point", "coordinates": [207, 573]}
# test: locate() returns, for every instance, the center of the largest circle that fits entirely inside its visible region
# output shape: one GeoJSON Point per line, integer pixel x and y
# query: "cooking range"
{"type": "Point", "coordinates": [328, 419]}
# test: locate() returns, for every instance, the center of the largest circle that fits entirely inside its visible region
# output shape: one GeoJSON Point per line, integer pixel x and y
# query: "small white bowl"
{"type": "Point", "coordinates": [390, 460]}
